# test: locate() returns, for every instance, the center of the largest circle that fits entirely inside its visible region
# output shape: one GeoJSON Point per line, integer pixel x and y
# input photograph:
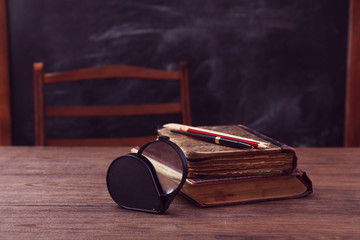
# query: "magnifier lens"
{"type": "Point", "coordinates": [167, 163]}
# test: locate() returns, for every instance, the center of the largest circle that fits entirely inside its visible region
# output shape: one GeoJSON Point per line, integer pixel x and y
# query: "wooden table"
{"type": "Point", "coordinates": [60, 193]}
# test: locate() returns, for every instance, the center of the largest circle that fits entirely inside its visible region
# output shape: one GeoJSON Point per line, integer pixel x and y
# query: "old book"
{"type": "Point", "coordinates": [225, 191]}
{"type": "Point", "coordinates": [232, 190]}
{"type": "Point", "coordinates": [207, 160]}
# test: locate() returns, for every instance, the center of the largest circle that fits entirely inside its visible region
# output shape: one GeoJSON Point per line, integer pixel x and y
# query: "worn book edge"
{"type": "Point", "coordinates": [300, 175]}
{"type": "Point", "coordinates": [217, 153]}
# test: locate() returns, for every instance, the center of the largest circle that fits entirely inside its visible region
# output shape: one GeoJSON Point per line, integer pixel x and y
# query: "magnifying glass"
{"type": "Point", "coordinates": [149, 179]}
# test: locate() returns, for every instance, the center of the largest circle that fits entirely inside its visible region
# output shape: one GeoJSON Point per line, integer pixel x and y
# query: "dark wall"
{"type": "Point", "coordinates": [277, 66]}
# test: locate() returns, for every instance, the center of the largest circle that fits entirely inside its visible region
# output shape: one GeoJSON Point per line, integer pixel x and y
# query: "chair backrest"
{"type": "Point", "coordinates": [106, 72]}
{"type": "Point", "coordinates": [352, 111]}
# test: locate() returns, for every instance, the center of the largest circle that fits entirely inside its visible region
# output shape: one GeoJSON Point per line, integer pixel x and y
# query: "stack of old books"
{"type": "Point", "coordinates": [221, 175]}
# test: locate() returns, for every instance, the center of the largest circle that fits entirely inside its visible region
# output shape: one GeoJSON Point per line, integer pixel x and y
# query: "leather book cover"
{"type": "Point", "coordinates": [228, 191]}
{"type": "Point", "coordinates": [208, 160]}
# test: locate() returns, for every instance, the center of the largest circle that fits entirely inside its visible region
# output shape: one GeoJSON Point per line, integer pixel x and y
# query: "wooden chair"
{"type": "Point", "coordinates": [106, 72]}
{"type": "Point", "coordinates": [352, 111]}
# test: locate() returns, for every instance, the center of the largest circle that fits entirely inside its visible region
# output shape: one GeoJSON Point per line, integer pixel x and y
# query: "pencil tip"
{"type": "Point", "coordinates": [175, 126]}
{"type": "Point", "coordinates": [263, 146]}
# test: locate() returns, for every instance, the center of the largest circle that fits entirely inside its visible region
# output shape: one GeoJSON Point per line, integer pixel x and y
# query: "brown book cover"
{"type": "Point", "coordinates": [207, 160]}
{"type": "Point", "coordinates": [226, 191]}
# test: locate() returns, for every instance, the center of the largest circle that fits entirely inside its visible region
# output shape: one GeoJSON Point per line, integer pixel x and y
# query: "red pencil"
{"type": "Point", "coordinates": [185, 128]}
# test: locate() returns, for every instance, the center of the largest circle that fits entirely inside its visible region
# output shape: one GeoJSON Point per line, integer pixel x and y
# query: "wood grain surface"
{"type": "Point", "coordinates": [60, 193]}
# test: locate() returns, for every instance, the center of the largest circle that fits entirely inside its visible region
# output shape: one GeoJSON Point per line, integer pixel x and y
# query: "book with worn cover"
{"type": "Point", "coordinates": [206, 192]}
{"type": "Point", "coordinates": [207, 160]}
{"type": "Point", "coordinates": [226, 191]}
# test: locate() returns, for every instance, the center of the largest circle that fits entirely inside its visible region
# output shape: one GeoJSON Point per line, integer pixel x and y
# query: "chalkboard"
{"type": "Point", "coordinates": [277, 66]}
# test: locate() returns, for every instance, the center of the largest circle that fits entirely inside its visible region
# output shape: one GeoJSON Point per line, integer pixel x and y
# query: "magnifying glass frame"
{"type": "Point", "coordinates": [165, 199]}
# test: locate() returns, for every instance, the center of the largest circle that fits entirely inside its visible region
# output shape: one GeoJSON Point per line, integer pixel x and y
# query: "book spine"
{"type": "Point", "coordinates": [284, 147]}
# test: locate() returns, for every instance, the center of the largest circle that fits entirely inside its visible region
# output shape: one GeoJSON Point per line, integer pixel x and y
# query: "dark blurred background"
{"type": "Point", "coordinates": [277, 66]}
